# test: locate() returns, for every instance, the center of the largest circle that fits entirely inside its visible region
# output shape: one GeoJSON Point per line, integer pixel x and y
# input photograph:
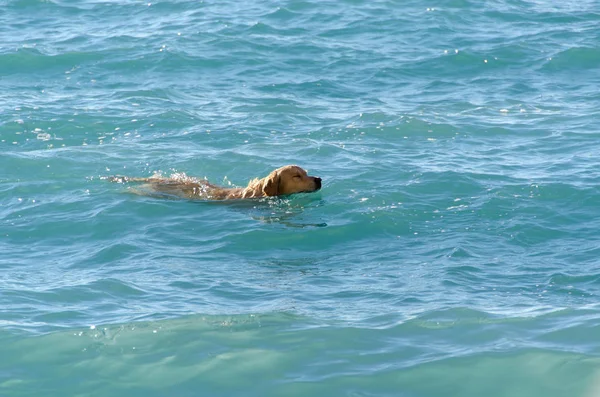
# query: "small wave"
{"type": "Point", "coordinates": [32, 60]}
{"type": "Point", "coordinates": [574, 59]}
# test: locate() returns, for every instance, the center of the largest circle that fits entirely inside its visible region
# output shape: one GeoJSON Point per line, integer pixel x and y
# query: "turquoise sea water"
{"type": "Point", "coordinates": [454, 249]}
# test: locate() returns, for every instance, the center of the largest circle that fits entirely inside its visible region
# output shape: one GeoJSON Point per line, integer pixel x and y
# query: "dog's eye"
{"type": "Point", "coordinates": [297, 176]}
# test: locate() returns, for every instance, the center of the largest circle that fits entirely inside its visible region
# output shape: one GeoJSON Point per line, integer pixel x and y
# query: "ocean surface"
{"type": "Point", "coordinates": [454, 249]}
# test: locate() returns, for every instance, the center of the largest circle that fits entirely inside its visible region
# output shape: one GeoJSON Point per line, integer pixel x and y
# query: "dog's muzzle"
{"type": "Point", "coordinates": [318, 183]}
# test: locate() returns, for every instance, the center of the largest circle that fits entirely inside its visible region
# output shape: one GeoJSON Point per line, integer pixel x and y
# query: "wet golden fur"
{"type": "Point", "coordinates": [282, 181]}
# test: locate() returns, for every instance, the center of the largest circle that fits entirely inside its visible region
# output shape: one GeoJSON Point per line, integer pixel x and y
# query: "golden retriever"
{"type": "Point", "coordinates": [282, 181]}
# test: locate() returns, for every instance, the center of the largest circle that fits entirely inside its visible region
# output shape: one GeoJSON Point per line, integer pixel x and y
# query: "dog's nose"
{"type": "Point", "coordinates": [318, 183]}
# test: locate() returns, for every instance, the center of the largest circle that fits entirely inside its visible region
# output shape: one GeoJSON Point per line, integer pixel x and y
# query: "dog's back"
{"type": "Point", "coordinates": [178, 186]}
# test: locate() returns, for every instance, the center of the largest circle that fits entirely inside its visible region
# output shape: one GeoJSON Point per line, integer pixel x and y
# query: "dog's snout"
{"type": "Point", "coordinates": [318, 183]}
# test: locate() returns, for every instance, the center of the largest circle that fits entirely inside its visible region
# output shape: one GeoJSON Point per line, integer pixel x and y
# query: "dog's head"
{"type": "Point", "coordinates": [289, 180]}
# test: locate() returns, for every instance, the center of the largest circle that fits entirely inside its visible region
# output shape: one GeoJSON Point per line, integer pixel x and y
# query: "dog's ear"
{"type": "Point", "coordinates": [270, 185]}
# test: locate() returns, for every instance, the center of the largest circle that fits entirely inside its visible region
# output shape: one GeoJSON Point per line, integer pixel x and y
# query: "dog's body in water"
{"type": "Point", "coordinates": [283, 181]}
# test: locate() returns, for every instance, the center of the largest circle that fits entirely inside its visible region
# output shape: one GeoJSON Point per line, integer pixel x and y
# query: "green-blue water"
{"type": "Point", "coordinates": [454, 249]}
